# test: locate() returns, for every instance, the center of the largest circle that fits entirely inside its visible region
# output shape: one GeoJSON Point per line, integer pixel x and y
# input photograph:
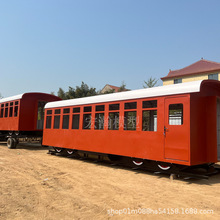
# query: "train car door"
{"type": "Point", "coordinates": [176, 128]}
{"type": "Point", "coordinates": [40, 114]}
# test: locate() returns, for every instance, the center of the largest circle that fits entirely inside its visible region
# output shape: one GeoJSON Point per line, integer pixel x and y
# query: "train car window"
{"type": "Point", "coordinates": [87, 119]}
{"type": "Point", "coordinates": [99, 121]}
{"type": "Point", "coordinates": [56, 122]}
{"type": "Point", "coordinates": [65, 122]}
{"type": "Point", "coordinates": [113, 121]}
{"type": "Point", "coordinates": [113, 107]}
{"type": "Point", "coordinates": [49, 112]}
{"type": "Point", "coordinates": [66, 110]}
{"type": "Point", "coordinates": [2, 111]}
{"type": "Point", "coordinates": [150, 104]}
{"type": "Point", "coordinates": [131, 105]}
{"type": "Point", "coordinates": [16, 111]}
{"type": "Point", "coordinates": [57, 111]}
{"type": "Point", "coordinates": [130, 120]}
{"type": "Point", "coordinates": [11, 110]}
{"type": "Point", "coordinates": [100, 108]}
{"type": "Point", "coordinates": [176, 114]}
{"type": "Point", "coordinates": [6, 104]}
{"type": "Point", "coordinates": [75, 122]}
{"type": "Point", "coordinates": [149, 120]}
{"type": "Point", "coordinates": [76, 110]}
{"type": "Point", "coordinates": [6, 111]}
{"type": "Point", "coordinates": [11, 103]}
{"type": "Point", "coordinates": [88, 109]}
{"type": "Point", "coordinates": [48, 122]}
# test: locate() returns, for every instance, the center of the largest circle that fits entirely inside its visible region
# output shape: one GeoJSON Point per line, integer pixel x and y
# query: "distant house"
{"type": "Point", "coordinates": [108, 88]}
{"type": "Point", "coordinates": [202, 69]}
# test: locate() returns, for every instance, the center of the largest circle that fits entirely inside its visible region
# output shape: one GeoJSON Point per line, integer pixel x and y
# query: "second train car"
{"type": "Point", "coordinates": [22, 116]}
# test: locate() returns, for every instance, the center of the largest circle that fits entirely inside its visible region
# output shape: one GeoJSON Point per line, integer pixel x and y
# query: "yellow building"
{"type": "Point", "coordinates": [202, 69]}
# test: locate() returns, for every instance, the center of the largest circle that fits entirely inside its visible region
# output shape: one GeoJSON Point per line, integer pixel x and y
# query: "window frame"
{"type": "Point", "coordinates": [57, 113]}
{"type": "Point", "coordinates": [143, 109]}
{"type": "Point", "coordinates": [212, 76]}
{"type": "Point", "coordinates": [16, 108]}
{"type": "Point", "coordinates": [76, 111]}
{"type": "Point", "coordinates": [114, 111]}
{"type": "Point", "coordinates": [182, 116]}
{"type": "Point", "coordinates": [99, 110]}
{"type": "Point", "coordinates": [84, 113]}
{"type": "Point", "coordinates": [2, 112]}
{"type": "Point", "coordinates": [66, 112]}
{"type": "Point", "coordinates": [177, 81]}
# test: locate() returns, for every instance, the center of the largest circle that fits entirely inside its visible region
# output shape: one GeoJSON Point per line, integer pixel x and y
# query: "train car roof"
{"type": "Point", "coordinates": [20, 96]}
{"type": "Point", "coordinates": [189, 87]}
{"type": "Point", "coordinates": [11, 98]}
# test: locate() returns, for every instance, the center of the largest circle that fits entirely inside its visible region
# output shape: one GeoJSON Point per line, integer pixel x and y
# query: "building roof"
{"type": "Point", "coordinates": [200, 67]}
{"type": "Point", "coordinates": [116, 88]}
{"type": "Point", "coordinates": [189, 87]}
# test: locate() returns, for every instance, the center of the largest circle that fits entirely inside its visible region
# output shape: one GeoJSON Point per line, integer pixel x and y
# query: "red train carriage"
{"type": "Point", "coordinates": [168, 125]}
{"type": "Point", "coordinates": [22, 116]}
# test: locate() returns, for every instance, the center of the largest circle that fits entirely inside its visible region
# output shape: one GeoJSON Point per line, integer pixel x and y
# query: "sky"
{"type": "Point", "coordinates": [48, 44]}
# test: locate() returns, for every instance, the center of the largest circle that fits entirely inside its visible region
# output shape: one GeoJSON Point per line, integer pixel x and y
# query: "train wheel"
{"type": "Point", "coordinates": [70, 151]}
{"type": "Point", "coordinates": [58, 149]}
{"type": "Point", "coordinates": [137, 162]}
{"type": "Point", "coordinates": [11, 143]}
{"type": "Point", "coordinates": [164, 166]}
{"type": "Point", "coordinates": [16, 133]}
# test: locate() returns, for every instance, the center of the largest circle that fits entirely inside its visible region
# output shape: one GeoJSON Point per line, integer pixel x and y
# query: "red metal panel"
{"type": "Point", "coordinates": [197, 129]}
{"type": "Point", "coordinates": [211, 129]}
{"type": "Point", "coordinates": [177, 136]}
{"type": "Point", "coordinates": [9, 123]}
{"type": "Point", "coordinates": [203, 129]}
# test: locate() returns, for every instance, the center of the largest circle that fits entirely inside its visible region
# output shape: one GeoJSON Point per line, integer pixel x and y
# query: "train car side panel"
{"type": "Point", "coordinates": [146, 141]}
{"type": "Point", "coordinates": [9, 115]}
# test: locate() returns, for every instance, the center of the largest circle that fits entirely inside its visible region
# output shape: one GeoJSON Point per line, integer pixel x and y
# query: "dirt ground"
{"type": "Point", "coordinates": [36, 185]}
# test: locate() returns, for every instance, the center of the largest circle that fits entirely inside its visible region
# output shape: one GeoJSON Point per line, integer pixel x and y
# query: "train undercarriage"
{"type": "Point", "coordinates": [15, 137]}
{"type": "Point", "coordinates": [202, 171]}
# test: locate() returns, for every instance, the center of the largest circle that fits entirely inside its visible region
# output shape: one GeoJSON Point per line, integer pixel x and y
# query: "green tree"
{"type": "Point", "coordinates": [151, 82]}
{"type": "Point", "coordinates": [84, 91]}
{"type": "Point", "coordinates": [122, 87]}
{"type": "Point", "coordinates": [80, 91]}
{"type": "Point", "coordinates": [71, 94]}
{"type": "Point", "coordinates": [61, 93]}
